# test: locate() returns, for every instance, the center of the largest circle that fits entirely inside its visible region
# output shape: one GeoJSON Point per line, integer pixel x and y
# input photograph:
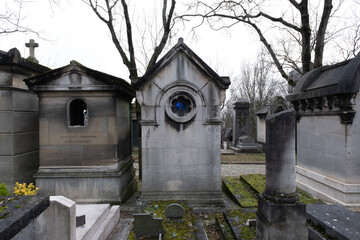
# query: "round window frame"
{"type": "Point", "coordinates": [174, 116]}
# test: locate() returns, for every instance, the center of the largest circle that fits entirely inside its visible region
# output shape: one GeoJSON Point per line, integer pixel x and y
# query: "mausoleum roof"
{"type": "Point", "coordinates": [13, 58]}
{"type": "Point", "coordinates": [340, 78]}
{"type": "Point", "coordinates": [101, 81]}
{"type": "Point", "coordinates": [182, 48]}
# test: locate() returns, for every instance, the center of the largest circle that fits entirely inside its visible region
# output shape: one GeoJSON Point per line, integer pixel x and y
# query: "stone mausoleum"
{"type": "Point", "coordinates": [327, 105]}
{"type": "Point", "coordinates": [19, 122]}
{"type": "Point", "coordinates": [180, 100]}
{"type": "Point", "coordinates": [85, 134]}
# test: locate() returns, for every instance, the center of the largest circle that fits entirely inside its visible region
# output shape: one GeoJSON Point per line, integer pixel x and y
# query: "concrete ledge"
{"type": "Point", "coordinates": [19, 218]}
{"type": "Point", "coordinates": [327, 189]}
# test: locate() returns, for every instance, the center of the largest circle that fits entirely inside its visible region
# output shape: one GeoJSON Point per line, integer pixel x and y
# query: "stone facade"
{"type": "Point", "coordinates": [180, 101]}
{"type": "Point", "coordinates": [19, 125]}
{"type": "Point", "coordinates": [328, 134]}
{"type": "Point", "coordinates": [85, 135]}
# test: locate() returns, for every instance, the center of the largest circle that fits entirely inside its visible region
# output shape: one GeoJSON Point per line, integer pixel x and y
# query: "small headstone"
{"type": "Point", "coordinates": [174, 211]}
{"type": "Point", "coordinates": [147, 226]}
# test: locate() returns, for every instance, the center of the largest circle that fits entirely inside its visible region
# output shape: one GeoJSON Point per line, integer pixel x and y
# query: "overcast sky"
{"type": "Point", "coordinates": [73, 32]}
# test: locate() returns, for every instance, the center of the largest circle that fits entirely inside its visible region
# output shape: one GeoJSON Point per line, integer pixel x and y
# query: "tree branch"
{"type": "Point", "coordinates": [320, 37]}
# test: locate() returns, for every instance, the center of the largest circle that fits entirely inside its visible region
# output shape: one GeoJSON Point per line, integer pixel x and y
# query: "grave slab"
{"type": "Point", "coordinates": [339, 222]}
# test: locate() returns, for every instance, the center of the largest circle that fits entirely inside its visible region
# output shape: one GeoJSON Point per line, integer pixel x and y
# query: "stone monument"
{"type": "Point", "coordinates": [278, 104]}
{"type": "Point", "coordinates": [19, 124]}
{"type": "Point", "coordinates": [242, 141]}
{"type": "Point", "coordinates": [279, 215]}
{"type": "Point", "coordinates": [180, 100]}
{"type": "Point", "coordinates": [85, 135]}
{"type": "Point", "coordinates": [327, 105]}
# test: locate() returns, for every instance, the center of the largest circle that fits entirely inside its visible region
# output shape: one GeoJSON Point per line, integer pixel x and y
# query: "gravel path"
{"type": "Point", "coordinates": [232, 170]}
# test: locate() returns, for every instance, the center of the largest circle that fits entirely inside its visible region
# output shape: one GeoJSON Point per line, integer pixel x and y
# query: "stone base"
{"type": "Point", "coordinates": [198, 200]}
{"type": "Point", "coordinates": [100, 184]}
{"type": "Point", "coordinates": [246, 149]}
{"type": "Point", "coordinates": [280, 221]}
{"type": "Point", "coordinates": [328, 189]}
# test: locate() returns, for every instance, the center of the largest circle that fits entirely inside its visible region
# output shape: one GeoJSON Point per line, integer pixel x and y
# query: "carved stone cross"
{"type": "Point", "coordinates": [32, 45]}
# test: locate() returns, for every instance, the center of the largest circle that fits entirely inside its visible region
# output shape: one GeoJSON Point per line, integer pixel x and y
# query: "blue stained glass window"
{"type": "Point", "coordinates": [181, 106]}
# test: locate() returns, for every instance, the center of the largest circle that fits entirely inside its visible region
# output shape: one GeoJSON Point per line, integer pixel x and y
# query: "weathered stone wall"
{"type": "Point", "coordinates": [19, 131]}
{"type": "Point", "coordinates": [328, 156]}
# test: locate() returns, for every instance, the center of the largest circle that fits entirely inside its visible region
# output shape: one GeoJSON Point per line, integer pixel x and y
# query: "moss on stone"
{"type": "Point", "coordinates": [245, 196]}
{"type": "Point", "coordinates": [174, 230]}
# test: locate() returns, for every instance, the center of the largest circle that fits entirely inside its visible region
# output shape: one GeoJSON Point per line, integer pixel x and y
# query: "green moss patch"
{"type": "Point", "coordinates": [254, 181]}
{"type": "Point", "coordinates": [257, 183]}
{"type": "Point", "coordinates": [244, 158]}
{"type": "Point", "coordinates": [244, 195]}
{"type": "Point", "coordinates": [239, 218]}
{"type": "Point", "coordinates": [224, 227]}
{"type": "Point", "coordinates": [174, 230]}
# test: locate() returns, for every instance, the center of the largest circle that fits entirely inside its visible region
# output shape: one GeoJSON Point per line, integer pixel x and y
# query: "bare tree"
{"type": "Point", "coordinates": [11, 18]}
{"type": "Point", "coordinates": [257, 84]}
{"type": "Point", "coordinates": [305, 30]}
{"type": "Point", "coordinates": [117, 18]}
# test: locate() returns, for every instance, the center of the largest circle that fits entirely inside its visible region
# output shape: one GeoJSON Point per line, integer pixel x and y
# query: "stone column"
{"type": "Point", "coordinates": [280, 215]}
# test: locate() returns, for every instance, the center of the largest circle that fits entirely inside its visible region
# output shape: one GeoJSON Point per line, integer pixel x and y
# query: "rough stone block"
{"type": "Point", "coordinates": [26, 142]}
{"type": "Point", "coordinates": [6, 144]}
{"type": "Point", "coordinates": [25, 164]}
{"type": "Point", "coordinates": [280, 221]}
{"type": "Point", "coordinates": [6, 102]}
{"type": "Point", "coordinates": [6, 122]}
{"type": "Point", "coordinates": [26, 122]}
{"type": "Point", "coordinates": [25, 101]}
{"type": "Point", "coordinates": [6, 168]}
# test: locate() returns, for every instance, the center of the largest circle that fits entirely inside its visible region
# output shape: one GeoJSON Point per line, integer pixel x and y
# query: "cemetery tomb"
{"type": "Point", "coordinates": [327, 105]}
{"type": "Point", "coordinates": [19, 124]}
{"type": "Point", "coordinates": [85, 135]}
{"type": "Point", "coordinates": [180, 100]}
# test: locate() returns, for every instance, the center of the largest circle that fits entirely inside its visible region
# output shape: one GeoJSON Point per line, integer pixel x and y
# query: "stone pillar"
{"type": "Point", "coordinates": [241, 124]}
{"type": "Point", "coordinates": [280, 215]}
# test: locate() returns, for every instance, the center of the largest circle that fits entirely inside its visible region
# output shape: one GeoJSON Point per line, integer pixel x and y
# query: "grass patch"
{"type": "Point", "coordinates": [245, 196]}
{"type": "Point", "coordinates": [244, 158]}
{"type": "Point", "coordinates": [174, 230]}
{"type": "Point", "coordinates": [257, 182]}
{"type": "Point", "coordinates": [306, 198]}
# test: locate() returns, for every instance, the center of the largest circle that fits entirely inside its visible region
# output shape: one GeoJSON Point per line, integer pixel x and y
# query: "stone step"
{"type": "Point", "coordinates": [108, 224]}
{"type": "Point", "coordinates": [95, 214]}
{"type": "Point", "coordinates": [122, 230]}
{"type": "Point", "coordinates": [199, 230]}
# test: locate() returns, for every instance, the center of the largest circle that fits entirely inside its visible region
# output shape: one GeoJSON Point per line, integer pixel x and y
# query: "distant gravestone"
{"type": "Point", "coordinates": [227, 134]}
{"type": "Point", "coordinates": [174, 211]}
{"type": "Point", "coordinates": [147, 226]}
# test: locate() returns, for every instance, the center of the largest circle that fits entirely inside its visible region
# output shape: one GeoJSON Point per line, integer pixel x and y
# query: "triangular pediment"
{"type": "Point", "coordinates": [182, 49]}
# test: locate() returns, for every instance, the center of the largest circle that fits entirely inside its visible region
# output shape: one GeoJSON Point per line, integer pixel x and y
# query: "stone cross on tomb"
{"type": "Point", "coordinates": [32, 45]}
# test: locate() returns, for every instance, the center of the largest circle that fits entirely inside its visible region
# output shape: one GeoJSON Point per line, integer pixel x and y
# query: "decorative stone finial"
{"type": "Point", "coordinates": [32, 45]}
{"type": "Point", "coordinates": [181, 40]}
